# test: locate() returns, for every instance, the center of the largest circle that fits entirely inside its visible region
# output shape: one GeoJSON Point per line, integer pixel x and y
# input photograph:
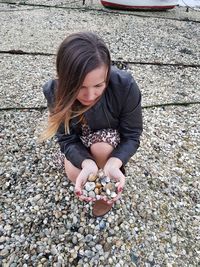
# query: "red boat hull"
{"type": "Point", "coordinates": [127, 7]}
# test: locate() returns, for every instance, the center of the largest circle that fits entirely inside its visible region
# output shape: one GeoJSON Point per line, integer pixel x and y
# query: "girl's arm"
{"type": "Point", "coordinates": [130, 127]}
{"type": "Point", "coordinates": [130, 130]}
{"type": "Point", "coordinates": [72, 147]}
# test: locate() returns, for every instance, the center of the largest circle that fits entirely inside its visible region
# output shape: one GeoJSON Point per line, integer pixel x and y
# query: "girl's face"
{"type": "Point", "coordinates": [93, 86]}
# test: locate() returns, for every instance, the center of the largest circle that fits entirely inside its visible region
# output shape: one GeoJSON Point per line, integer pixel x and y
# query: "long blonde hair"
{"type": "Point", "coordinates": [77, 55]}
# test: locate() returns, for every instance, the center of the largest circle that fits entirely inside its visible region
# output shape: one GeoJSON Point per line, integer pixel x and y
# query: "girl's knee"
{"type": "Point", "coordinates": [101, 149]}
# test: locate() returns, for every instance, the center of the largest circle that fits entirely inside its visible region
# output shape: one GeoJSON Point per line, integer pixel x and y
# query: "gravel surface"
{"type": "Point", "coordinates": [131, 39]}
{"type": "Point", "coordinates": [154, 224]}
{"type": "Point", "coordinates": [23, 76]}
{"type": "Point", "coordinates": [22, 79]}
{"type": "Point", "coordinates": [177, 13]}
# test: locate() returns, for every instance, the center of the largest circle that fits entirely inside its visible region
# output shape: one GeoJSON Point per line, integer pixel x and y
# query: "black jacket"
{"type": "Point", "coordinates": [118, 108]}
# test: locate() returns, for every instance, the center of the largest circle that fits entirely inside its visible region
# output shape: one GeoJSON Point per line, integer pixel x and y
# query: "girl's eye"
{"type": "Point", "coordinates": [99, 85]}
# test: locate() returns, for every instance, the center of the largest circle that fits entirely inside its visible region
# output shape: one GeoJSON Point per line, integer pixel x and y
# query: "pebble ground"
{"type": "Point", "coordinates": [156, 223]}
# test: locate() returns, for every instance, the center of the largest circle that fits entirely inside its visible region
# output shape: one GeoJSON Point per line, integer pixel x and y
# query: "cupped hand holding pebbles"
{"type": "Point", "coordinates": [100, 186]}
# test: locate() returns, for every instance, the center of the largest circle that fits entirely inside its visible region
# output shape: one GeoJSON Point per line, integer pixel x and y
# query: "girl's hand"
{"type": "Point", "coordinates": [88, 167]}
{"type": "Point", "coordinates": [112, 170]}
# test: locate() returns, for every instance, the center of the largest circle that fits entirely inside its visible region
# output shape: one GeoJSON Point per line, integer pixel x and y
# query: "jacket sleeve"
{"type": "Point", "coordinates": [72, 147]}
{"type": "Point", "coordinates": [130, 127]}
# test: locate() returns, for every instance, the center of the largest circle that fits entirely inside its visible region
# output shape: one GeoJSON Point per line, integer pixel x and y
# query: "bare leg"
{"type": "Point", "coordinates": [71, 171]}
{"type": "Point", "coordinates": [101, 152]}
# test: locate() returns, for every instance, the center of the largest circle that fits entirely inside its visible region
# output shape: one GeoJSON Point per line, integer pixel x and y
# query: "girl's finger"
{"type": "Point", "coordinates": [104, 198]}
{"type": "Point", "coordinates": [78, 193]}
{"type": "Point", "coordinates": [77, 187]}
{"type": "Point", "coordinates": [79, 183]}
{"type": "Point", "coordinates": [110, 201]}
{"type": "Point", "coordinates": [119, 189]}
{"type": "Point", "coordinates": [85, 199]}
{"type": "Point", "coordinates": [118, 197]}
{"type": "Point", "coordinates": [121, 183]}
{"type": "Point", "coordinates": [81, 198]}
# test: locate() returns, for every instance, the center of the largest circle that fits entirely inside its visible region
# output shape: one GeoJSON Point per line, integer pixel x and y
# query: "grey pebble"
{"type": "Point", "coordinates": [88, 238]}
{"type": "Point", "coordinates": [4, 253]}
{"type": "Point", "coordinates": [74, 240]}
{"type": "Point", "coordinates": [89, 253]}
{"type": "Point", "coordinates": [102, 225]}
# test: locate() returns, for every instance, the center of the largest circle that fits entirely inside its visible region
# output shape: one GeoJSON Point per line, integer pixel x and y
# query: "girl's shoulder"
{"type": "Point", "coordinates": [122, 87]}
{"type": "Point", "coordinates": [49, 92]}
{"type": "Point", "coordinates": [121, 84]}
{"type": "Point", "coordinates": [119, 77]}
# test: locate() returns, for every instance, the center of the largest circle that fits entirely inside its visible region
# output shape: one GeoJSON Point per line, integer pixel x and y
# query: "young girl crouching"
{"type": "Point", "coordinates": [95, 112]}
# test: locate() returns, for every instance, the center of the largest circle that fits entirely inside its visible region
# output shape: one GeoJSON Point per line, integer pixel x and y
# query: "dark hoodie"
{"type": "Point", "coordinates": [118, 108]}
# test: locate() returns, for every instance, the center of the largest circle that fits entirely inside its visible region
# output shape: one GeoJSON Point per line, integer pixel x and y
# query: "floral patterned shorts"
{"type": "Point", "coordinates": [88, 138]}
{"type": "Point", "coordinates": [110, 136]}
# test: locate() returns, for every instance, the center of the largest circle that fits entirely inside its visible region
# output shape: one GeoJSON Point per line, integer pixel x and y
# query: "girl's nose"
{"type": "Point", "coordinates": [90, 95]}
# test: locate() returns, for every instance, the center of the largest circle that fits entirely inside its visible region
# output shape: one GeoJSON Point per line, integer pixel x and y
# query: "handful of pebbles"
{"type": "Point", "coordinates": [99, 186]}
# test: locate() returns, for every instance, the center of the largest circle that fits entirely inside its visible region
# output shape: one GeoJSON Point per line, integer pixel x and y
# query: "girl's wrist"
{"type": "Point", "coordinates": [87, 162]}
{"type": "Point", "coordinates": [115, 162]}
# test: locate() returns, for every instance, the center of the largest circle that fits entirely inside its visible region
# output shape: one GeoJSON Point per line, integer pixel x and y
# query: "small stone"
{"type": "Point", "coordinates": [92, 177]}
{"type": "Point", "coordinates": [57, 214]}
{"type": "Point", "coordinates": [174, 239]}
{"type": "Point", "coordinates": [102, 225]}
{"type": "Point", "coordinates": [74, 255]}
{"type": "Point", "coordinates": [74, 240]}
{"type": "Point", "coordinates": [98, 247]}
{"type": "Point", "coordinates": [110, 186]}
{"type": "Point", "coordinates": [12, 258]}
{"type": "Point", "coordinates": [98, 197]}
{"type": "Point", "coordinates": [7, 227]}
{"type": "Point", "coordinates": [117, 184]}
{"type": "Point", "coordinates": [89, 186]}
{"type": "Point", "coordinates": [88, 238]}
{"type": "Point", "coordinates": [85, 193]}
{"type": "Point", "coordinates": [4, 253]}
{"type": "Point", "coordinates": [36, 208]}
{"type": "Point", "coordinates": [37, 197]}
{"type": "Point", "coordinates": [113, 194]}
{"type": "Point", "coordinates": [26, 256]}
{"type": "Point", "coordinates": [97, 191]}
{"type": "Point", "coordinates": [2, 239]}
{"type": "Point", "coordinates": [91, 194]}
{"type": "Point", "coordinates": [75, 220]}
{"type": "Point", "coordinates": [108, 192]}
{"type": "Point", "coordinates": [57, 198]}
{"type": "Point", "coordinates": [103, 181]}
{"type": "Point", "coordinates": [45, 221]}
{"type": "Point", "coordinates": [101, 173]}
{"type": "Point", "coordinates": [43, 260]}
{"type": "Point", "coordinates": [110, 260]}
{"type": "Point", "coordinates": [98, 185]}
{"type": "Point", "coordinates": [7, 185]}
{"type": "Point", "coordinates": [107, 179]}
{"type": "Point", "coordinates": [89, 253]}
{"type": "Point", "coordinates": [71, 188]}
